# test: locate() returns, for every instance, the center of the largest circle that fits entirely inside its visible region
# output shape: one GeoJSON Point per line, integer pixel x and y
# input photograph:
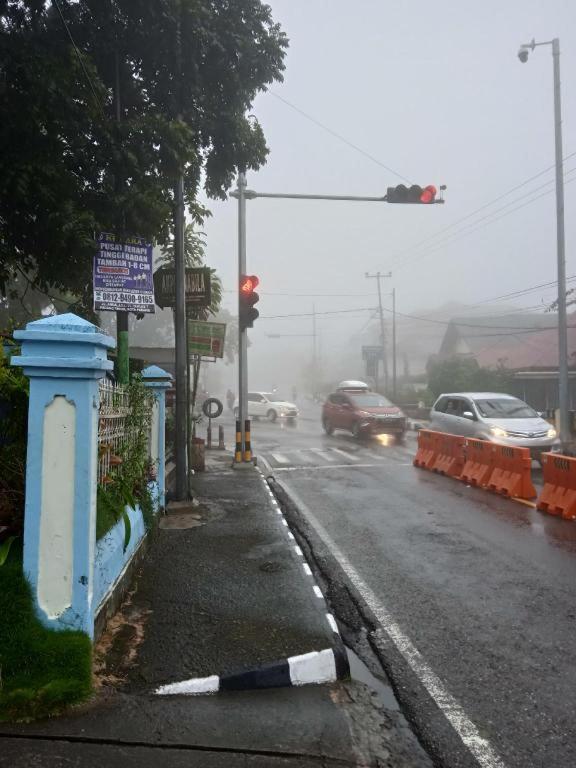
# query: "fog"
{"type": "Point", "coordinates": [434, 93]}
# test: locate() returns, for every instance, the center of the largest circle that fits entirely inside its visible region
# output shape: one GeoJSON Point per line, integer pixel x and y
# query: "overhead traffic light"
{"type": "Point", "coordinates": [413, 194]}
{"type": "Point", "coordinates": [248, 297]}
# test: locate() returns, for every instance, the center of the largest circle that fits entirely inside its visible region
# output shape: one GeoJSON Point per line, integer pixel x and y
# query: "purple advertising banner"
{"type": "Point", "coordinates": [122, 277]}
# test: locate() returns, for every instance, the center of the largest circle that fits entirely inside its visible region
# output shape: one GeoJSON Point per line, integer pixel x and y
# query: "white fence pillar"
{"type": "Point", "coordinates": [64, 357]}
{"type": "Point", "coordinates": [159, 381]}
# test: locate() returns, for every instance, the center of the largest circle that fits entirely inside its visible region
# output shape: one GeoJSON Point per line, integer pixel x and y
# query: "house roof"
{"type": "Point", "coordinates": [522, 341]}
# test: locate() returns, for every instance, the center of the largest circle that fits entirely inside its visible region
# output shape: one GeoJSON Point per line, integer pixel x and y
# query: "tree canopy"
{"type": "Point", "coordinates": [102, 101]}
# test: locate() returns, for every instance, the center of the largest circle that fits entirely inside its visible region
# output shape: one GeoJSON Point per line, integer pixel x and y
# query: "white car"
{"type": "Point", "coordinates": [268, 405]}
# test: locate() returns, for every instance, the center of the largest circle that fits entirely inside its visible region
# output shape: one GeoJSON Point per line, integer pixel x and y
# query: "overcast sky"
{"type": "Point", "coordinates": [435, 93]}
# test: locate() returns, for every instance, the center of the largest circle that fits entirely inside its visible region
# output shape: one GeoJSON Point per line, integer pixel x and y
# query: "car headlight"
{"type": "Point", "coordinates": [552, 432]}
{"type": "Point", "coordinates": [498, 432]}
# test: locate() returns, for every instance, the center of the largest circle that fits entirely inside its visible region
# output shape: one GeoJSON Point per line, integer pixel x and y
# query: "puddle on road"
{"type": "Point", "coordinates": [359, 671]}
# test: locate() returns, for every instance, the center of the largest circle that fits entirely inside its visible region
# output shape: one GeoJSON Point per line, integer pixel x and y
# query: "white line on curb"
{"type": "Point", "coordinates": [291, 535]}
{"type": "Point", "coordinates": [477, 745]}
{"type": "Point", "coordinates": [332, 622]}
{"type": "Point", "coordinates": [307, 570]}
{"type": "Point", "coordinates": [298, 551]}
{"type": "Point", "coordinates": [318, 592]}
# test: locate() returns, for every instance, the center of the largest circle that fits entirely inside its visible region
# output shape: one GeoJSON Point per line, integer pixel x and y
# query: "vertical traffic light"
{"type": "Point", "coordinates": [413, 194]}
{"type": "Point", "coordinates": [248, 297]}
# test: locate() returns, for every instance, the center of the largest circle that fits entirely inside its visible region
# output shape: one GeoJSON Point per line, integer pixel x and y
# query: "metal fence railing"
{"type": "Point", "coordinates": [114, 408]}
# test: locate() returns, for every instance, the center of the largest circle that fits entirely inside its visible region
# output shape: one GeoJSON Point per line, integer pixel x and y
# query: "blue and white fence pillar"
{"type": "Point", "coordinates": [159, 381]}
{"type": "Point", "coordinates": [64, 357]}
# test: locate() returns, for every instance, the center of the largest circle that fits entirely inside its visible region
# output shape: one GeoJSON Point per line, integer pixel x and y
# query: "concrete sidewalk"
{"type": "Point", "coordinates": [226, 596]}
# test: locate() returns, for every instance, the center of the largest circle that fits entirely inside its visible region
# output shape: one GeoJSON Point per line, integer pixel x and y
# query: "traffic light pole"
{"type": "Point", "coordinates": [242, 333]}
{"type": "Point", "coordinates": [241, 193]}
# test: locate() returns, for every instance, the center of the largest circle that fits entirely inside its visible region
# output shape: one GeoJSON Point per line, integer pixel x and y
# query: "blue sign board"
{"type": "Point", "coordinates": [122, 277]}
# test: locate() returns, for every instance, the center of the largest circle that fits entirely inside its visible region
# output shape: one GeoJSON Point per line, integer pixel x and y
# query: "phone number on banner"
{"type": "Point", "coordinates": [123, 301]}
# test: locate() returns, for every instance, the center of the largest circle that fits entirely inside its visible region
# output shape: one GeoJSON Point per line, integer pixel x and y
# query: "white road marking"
{"type": "Point", "coordinates": [477, 745]}
{"type": "Point", "coordinates": [307, 570]}
{"type": "Point", "coordinates": [298, 551]}
{"type": "Point", "coordinates": [328, 466]}
{"type": "Point", "coordinates": [291, 535]}
{"type": "Point", "coordinates": [345, 454]}
{"type": "Point", "coordinates": [332, 622]}
{"type": "Point", "coordinates": [280, 458]}
{"type": "Point", "coordinates": [323, 454]}
{"type": "Point", "coordinates": [284, 523]}
{"type": "Point", "coordinates": [318, 592]}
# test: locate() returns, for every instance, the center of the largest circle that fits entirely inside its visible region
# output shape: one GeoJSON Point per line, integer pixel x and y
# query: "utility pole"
{"type": "Point", "coordinates": [394, 371]}
{"type": "Point", "coordinates": [378, 276]}
{"type": "Point", "coordinates": [181, 353]}
{"type": "Point", "coordinates": [122, 340]}
{"type": "Point", "coordinates": [242, 332]}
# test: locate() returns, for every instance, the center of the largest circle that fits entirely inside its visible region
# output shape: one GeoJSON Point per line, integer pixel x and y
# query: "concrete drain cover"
{"type": "Point", "coordinates": [270, 567]}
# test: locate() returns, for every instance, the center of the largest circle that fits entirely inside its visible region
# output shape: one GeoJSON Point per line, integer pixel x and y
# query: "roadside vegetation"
{"type": "Point", "coordinates": [41, 671]}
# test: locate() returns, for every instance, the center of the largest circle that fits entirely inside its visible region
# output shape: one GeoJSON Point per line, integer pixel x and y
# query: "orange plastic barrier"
{"type": "Point", "coordinates": [558, 496]}
{"type": "Point", "coordinates": [512, 472]}
{"type": "Point", "coordinates": [426, 453]}
{"type": "Point", "coordinates": [479, 462]}
{"type": "Point", "coordinates": [450, 456]}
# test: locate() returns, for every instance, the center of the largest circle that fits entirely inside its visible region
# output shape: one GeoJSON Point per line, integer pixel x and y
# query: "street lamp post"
{"type": "Point", "coordinates": [563, 395]}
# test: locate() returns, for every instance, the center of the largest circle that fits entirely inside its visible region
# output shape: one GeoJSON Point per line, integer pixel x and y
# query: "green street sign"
{"type": "Point", "coordinates": [206, 339]}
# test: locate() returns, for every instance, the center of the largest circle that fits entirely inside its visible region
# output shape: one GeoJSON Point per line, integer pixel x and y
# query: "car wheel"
{"type": "Point", "coordinates": [272, 415]}
{"type": "Point", "coordinates": [327, 426]}
{"type": "Point", "coordinates": [401, 437]}
{"type": "Point", "coordinates": [356, 431]}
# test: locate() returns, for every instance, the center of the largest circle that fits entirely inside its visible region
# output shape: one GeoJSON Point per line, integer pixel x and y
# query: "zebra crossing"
{"type": "Point", "coordinates": [313, 457]}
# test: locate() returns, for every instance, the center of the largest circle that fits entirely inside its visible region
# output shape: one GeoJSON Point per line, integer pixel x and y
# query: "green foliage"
{"type": "Point", "coordinates": [42, 671]}
{"type": "Point", "coordinates": [127, 484]}
{"type": "Point", "coordinates": [463, 374]}
{"type": "Point", "coordinates": [187, 72]}
{"type": "Point", "coordinates": [13, 443]}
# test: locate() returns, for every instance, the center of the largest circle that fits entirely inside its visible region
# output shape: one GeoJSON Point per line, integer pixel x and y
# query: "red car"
{"type": "Point", "coordinates": [355, 408]}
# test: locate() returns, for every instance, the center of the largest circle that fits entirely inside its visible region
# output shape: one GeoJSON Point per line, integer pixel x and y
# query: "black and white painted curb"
{"type": "Point", "coordinates": [316, 667]}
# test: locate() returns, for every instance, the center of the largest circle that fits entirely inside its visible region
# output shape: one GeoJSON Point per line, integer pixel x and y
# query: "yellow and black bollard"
{"type": "Point", "coordinates": [247, 446]}
{"type": "Point", "coordinates": [238, 451]}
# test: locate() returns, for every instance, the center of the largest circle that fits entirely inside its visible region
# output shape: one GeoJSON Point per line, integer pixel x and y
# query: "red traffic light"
{"type": "Point", "coordinates": [428, 194]}
{"type": "Point", "coordinates": [414, 194]}
{"type": "Point", "coordinates": [248, 283]}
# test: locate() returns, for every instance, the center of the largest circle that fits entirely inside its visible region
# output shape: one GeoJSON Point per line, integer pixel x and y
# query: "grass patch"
{"type": "Point", "coordinates": [42, 671]}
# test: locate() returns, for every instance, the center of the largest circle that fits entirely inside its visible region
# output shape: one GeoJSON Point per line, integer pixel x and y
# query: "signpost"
{"type": "Point", "coordinates": [372, 356]}
{"type": "Point", "coordinates": [206, 339]}
{"type": "Point", "coordinates": [198, 287]}
{"type": "Point", "coordinates": [122, 275]}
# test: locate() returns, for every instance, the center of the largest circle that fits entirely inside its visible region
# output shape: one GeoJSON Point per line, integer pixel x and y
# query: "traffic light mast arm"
{"type": "Point", "coordinates": [252, 195]}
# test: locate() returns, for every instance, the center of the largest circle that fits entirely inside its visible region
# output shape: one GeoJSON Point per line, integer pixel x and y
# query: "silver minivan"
{"type": "Point", "coordinates": [496, 417]}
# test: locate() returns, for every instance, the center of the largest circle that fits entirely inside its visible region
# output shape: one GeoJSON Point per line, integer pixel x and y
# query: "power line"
{"type": "Point", "coordinates": [450, 239]}
{"type": "Point", "coordinates": [311, 314]}
{"type": "Point", "coordinates": [338, 136]}
{"type": "Point", "coordinates": [521, 292]}
{"type": "Point", "coordinates": [80, 59]}
{"type": "Point", "coordinates": [481, 208]}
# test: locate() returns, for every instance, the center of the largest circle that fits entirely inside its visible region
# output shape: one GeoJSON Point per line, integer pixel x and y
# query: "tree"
{"type": "Point", "coordinates": [464, 374]}
{"type": "Point", "coordinates": [98, 128]}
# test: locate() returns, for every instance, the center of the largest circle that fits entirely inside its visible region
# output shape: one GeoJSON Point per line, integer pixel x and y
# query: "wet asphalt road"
{"type": "Point", "coordinates": [484, 588]}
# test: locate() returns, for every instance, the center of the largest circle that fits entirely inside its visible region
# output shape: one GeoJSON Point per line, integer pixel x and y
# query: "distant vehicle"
{"type": "Point", "coordinates": [355, 408]}
{"type": "Point", "coordinates": [496, 417]}
{"type": "Point", "coordinates": [268, 405]}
